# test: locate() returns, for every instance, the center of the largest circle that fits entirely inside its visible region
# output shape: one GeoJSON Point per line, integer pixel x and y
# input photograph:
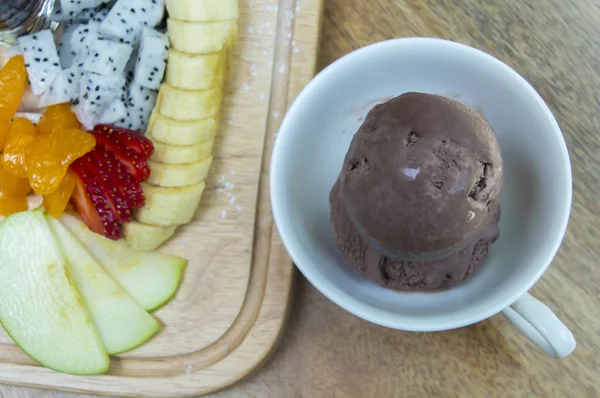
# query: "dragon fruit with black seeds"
{"type": "Point", "coordinates": [93, 14]}
{"type": "Point", "coordinates": [13, 50]}
{"type": "Point", "coordinates": [107, 57]}
{"type": "Point", "coordinates": [108, 63]}
{"type": "Point", "coordinates": [116, 114]}
{"type": "Point", "coordinates": [97, 14]}
{"type": "Point", "coordinates": [41, 59]}
{"type": "Point", "coordinates": [124, 91]}
{"type": "Point", "coordinates": [65, 51]}
{"type": "Point", "coordinates": [96, 93]}
{"type": "Point", "coordinates": [151, 59]}
{"type": "Point", "coordinates": [127, 18]}
{"type": "Point", "coordinates": [59, 15]}
{"type": "Point", "coordinates": [83, 36]}
{"type": "Point", "coordinates": [64, 88]}
{"type": "Point", "coordinates": [70, 9]}
{"type": "Point", "coordinates": [141, 101]}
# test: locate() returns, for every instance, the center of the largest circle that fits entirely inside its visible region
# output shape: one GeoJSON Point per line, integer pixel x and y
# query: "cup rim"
{"type": "Point", "coordinates": [329, 288]}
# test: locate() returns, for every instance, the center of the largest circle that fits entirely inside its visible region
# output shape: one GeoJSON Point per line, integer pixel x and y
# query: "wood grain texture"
{"type": "Point", "coordinates": [233, 303]}
{"type": "Point", "coordinates": [325, 352]}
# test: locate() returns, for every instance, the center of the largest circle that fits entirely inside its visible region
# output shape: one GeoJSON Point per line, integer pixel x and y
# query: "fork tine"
{"type": "Point", "coordinates": [19, 17]}
{"type": "Point", "coordinates": [16, 11]}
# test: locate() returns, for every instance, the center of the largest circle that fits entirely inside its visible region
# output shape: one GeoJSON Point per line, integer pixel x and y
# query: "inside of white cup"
{"type": "Point", "coordinates": [313, 141]}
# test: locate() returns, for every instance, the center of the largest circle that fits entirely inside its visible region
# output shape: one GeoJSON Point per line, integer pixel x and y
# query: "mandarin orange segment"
{"type": "Point", "coordinates": [21, 135]}
{"type": "Point", "coordinates": [56, 203]}
{"type": "Point", "coordinates": [48, 159]}
{"type": "Point", "coordinates": [13, 77]}
{"type": "Point", "coordinates": [12, 204]}
{"type": "Point", "coordinates": [12, 185]}
{"type": "Point", "coordinates": [57, 117]}
{"type": "Point", "coordinates": [13, 193]}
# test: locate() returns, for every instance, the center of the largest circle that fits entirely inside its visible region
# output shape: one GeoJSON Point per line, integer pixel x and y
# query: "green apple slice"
{"type": "Point", "coordinates": [39, 306]}
{"type": "Point", "coordinates": [123, 324]}
{"type": "Point", "coordinates": [151, 278]}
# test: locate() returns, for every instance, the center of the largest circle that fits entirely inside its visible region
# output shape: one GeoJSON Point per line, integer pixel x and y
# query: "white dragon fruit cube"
{"type": "Point", "coordinates": [100, 90]}
{"type": "Point", "coordinates": [65, 51]}
{"type": "Point", "coordinates": [96, 93]}
{"type": "Point", "coordinates": [68, 17]}
{"type": "Point", "coordinates": [83, 36]}
{"type": "Point", "coordinates": [64, 88]}
{"type": "Point", "coordinates": [97, 14]}
{"type": "Point", "coordinates": [127, 18]}
{"type": "Point", "coordinates": [152, 59]}
{"type": "Point", "coordinates": [41, 59]}
{"type": "Point", "coordinates": [13, 50]}
{"type": "Point", "coordinates": [70, 9]}
{"type": "Point", "coordinates": [141, 101]}
{"type": "Point", "coordinates": [115, 114]}
{"type": "Point", "coordinates": [87, 120]}
{"type": "Point", "coordinates": [107, 57]}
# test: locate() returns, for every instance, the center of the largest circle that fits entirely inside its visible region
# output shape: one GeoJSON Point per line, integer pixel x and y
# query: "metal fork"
{"type": "Point", "coordinates": [21, 17]}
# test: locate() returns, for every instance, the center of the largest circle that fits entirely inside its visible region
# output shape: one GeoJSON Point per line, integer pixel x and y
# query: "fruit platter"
{"type": "Point", "coordinates": [136, 240]}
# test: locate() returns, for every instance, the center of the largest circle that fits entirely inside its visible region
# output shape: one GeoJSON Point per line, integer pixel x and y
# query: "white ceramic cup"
{"type": "Point", "coordinates": [313, 140]}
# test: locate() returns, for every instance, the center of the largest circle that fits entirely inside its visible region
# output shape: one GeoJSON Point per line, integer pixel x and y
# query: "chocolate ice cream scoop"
{"type": "Point", "coordinates": [402, 274]}
{"type": "Point", "coordinates": [422, 177]}
{"type": "Point", "coordinates": [416, 205]}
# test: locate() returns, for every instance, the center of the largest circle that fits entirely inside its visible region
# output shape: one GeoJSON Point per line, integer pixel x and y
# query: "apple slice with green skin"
{"type": "Point", "coordinates": [123, 323]}
{"type": "Point", "coordinates": [39, 306]}
{"type": "Point", "coordinates": [150, 278]}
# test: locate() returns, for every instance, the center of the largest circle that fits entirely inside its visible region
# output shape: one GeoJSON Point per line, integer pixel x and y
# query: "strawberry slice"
{"type": "Point", "coordinates": [94, 164]}
{"type": "Point", "coordinates": [130, 189]}
{"type": "Point", "coordinates": [127, 138]}
{"type": "Point", "coordinates": [91, 204]}
{"type": "Point", "coordinates": [134, 164]}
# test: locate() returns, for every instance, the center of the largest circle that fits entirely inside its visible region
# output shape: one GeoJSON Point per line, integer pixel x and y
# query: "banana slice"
{"type": "Point", "coordinates": [178, 175]}
{"type": "Point", "coordinates": [177, 132]}
{"type": "Point", "coordinates": [180, 154]}
{"type": "Point", "coordinates": [196, 72]}
{"type": "Point", "coordinates": [203, 10]}
{"type": "Point", "coordinates": [190, 105]}
{"type": "Point", "coordinates": [146, 237]}
{"type": "Point", "coordinates": [202, 37]}
{"type": "Point", "coordinates": [169, 206]}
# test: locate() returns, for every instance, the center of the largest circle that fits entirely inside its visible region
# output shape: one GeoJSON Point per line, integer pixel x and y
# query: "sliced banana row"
{"type": "Point", "coordinates": [185, 119]}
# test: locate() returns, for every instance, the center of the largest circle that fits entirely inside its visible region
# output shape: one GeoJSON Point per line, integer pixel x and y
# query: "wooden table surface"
{"type": "Point", "coordinates": [326, 352]}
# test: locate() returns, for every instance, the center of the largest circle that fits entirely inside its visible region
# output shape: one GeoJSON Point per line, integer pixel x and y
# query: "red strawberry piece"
{"type": "Point", "coordinates": [134, 164]}
{"type": "Point", "coordinates": [130, 188]}
{"type": "Point", "coordinates": [128, 138]}
{"type": "Point", "coordinates": [94, 164]}
{"type": "Point", "coordinates": [108, 161]}
{"type": "Point", "coordinates": [92, 206]}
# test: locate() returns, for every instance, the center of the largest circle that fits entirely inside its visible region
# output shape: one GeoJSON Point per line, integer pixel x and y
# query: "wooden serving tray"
{"type": "Point", "coordinates": [232, 306]}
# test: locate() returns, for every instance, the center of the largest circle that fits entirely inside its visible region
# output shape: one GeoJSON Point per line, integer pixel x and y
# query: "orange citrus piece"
{"type": "Point", "coordinates": [12, 185]}
{"type": "Point", "coordinates": [12, 204]}
{"type": "Point", "coordinates": [48, 159]}
{"type": "Point", "coordinates": [56, 203]}
{"type": "Point", "coordinates": [13, 77]}
{"type": "Point", "coordinates": [21, 135]}
{"type": "Point", "coordinates": [13, 197]}
{"type": "Point", "coordinates": [57, 117]}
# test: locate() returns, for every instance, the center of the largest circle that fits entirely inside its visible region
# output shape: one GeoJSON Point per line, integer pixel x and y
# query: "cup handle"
{"type": "Point", "coordinates": [539, 323]}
